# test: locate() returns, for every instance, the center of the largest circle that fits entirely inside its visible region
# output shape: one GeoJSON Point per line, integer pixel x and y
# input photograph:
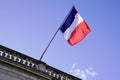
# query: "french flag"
{"type": "Point", "coordinates": [74, 28]}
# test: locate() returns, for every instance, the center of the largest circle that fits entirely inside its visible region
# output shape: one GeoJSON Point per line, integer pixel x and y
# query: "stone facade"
{"type": "Point", "coordinates": [17, 66]}
{"type": "Point", "coordinates": [9, 73]}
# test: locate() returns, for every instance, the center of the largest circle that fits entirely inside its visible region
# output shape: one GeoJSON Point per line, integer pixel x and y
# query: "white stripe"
{"type": "Point", "coordinates": [78, 19]}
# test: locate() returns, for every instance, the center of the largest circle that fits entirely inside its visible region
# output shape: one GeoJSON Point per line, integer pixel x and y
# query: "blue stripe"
{"type": "Point", "coordinates": [69, 20]}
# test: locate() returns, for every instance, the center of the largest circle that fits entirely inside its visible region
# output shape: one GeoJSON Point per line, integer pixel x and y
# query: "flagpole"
{"type": "Point", "coordinates": [49, 44]}
{"type": "Point", "coordinates": [55, 35]}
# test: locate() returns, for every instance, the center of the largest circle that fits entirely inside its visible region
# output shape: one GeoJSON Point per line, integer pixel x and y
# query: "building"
{"type": "Point", "coordinates": [17, 66]}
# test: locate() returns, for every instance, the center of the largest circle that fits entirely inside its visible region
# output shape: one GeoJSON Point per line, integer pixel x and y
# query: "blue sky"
{"type": "Point", "coordinates": [28, 25]}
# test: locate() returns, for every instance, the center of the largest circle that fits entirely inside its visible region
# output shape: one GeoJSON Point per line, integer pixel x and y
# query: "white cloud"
{"type": "Point", "coordinates": [83, 74]}
{"type": "Point", "coordinates": [90, 72]}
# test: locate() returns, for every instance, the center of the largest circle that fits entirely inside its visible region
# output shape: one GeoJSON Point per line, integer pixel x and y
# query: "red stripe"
{"type": "Point", "coordinates": [79, 33]}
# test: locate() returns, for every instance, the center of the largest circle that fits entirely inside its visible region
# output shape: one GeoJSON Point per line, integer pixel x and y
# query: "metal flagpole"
{"type": "Point", "coordinates": [49, 44]}
{"type": "Point", "coordinates": [55, 35]}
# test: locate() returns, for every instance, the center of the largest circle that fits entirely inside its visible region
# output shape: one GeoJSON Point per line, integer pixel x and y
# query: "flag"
{"type": "Point", "coordinates": [74, 28]}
